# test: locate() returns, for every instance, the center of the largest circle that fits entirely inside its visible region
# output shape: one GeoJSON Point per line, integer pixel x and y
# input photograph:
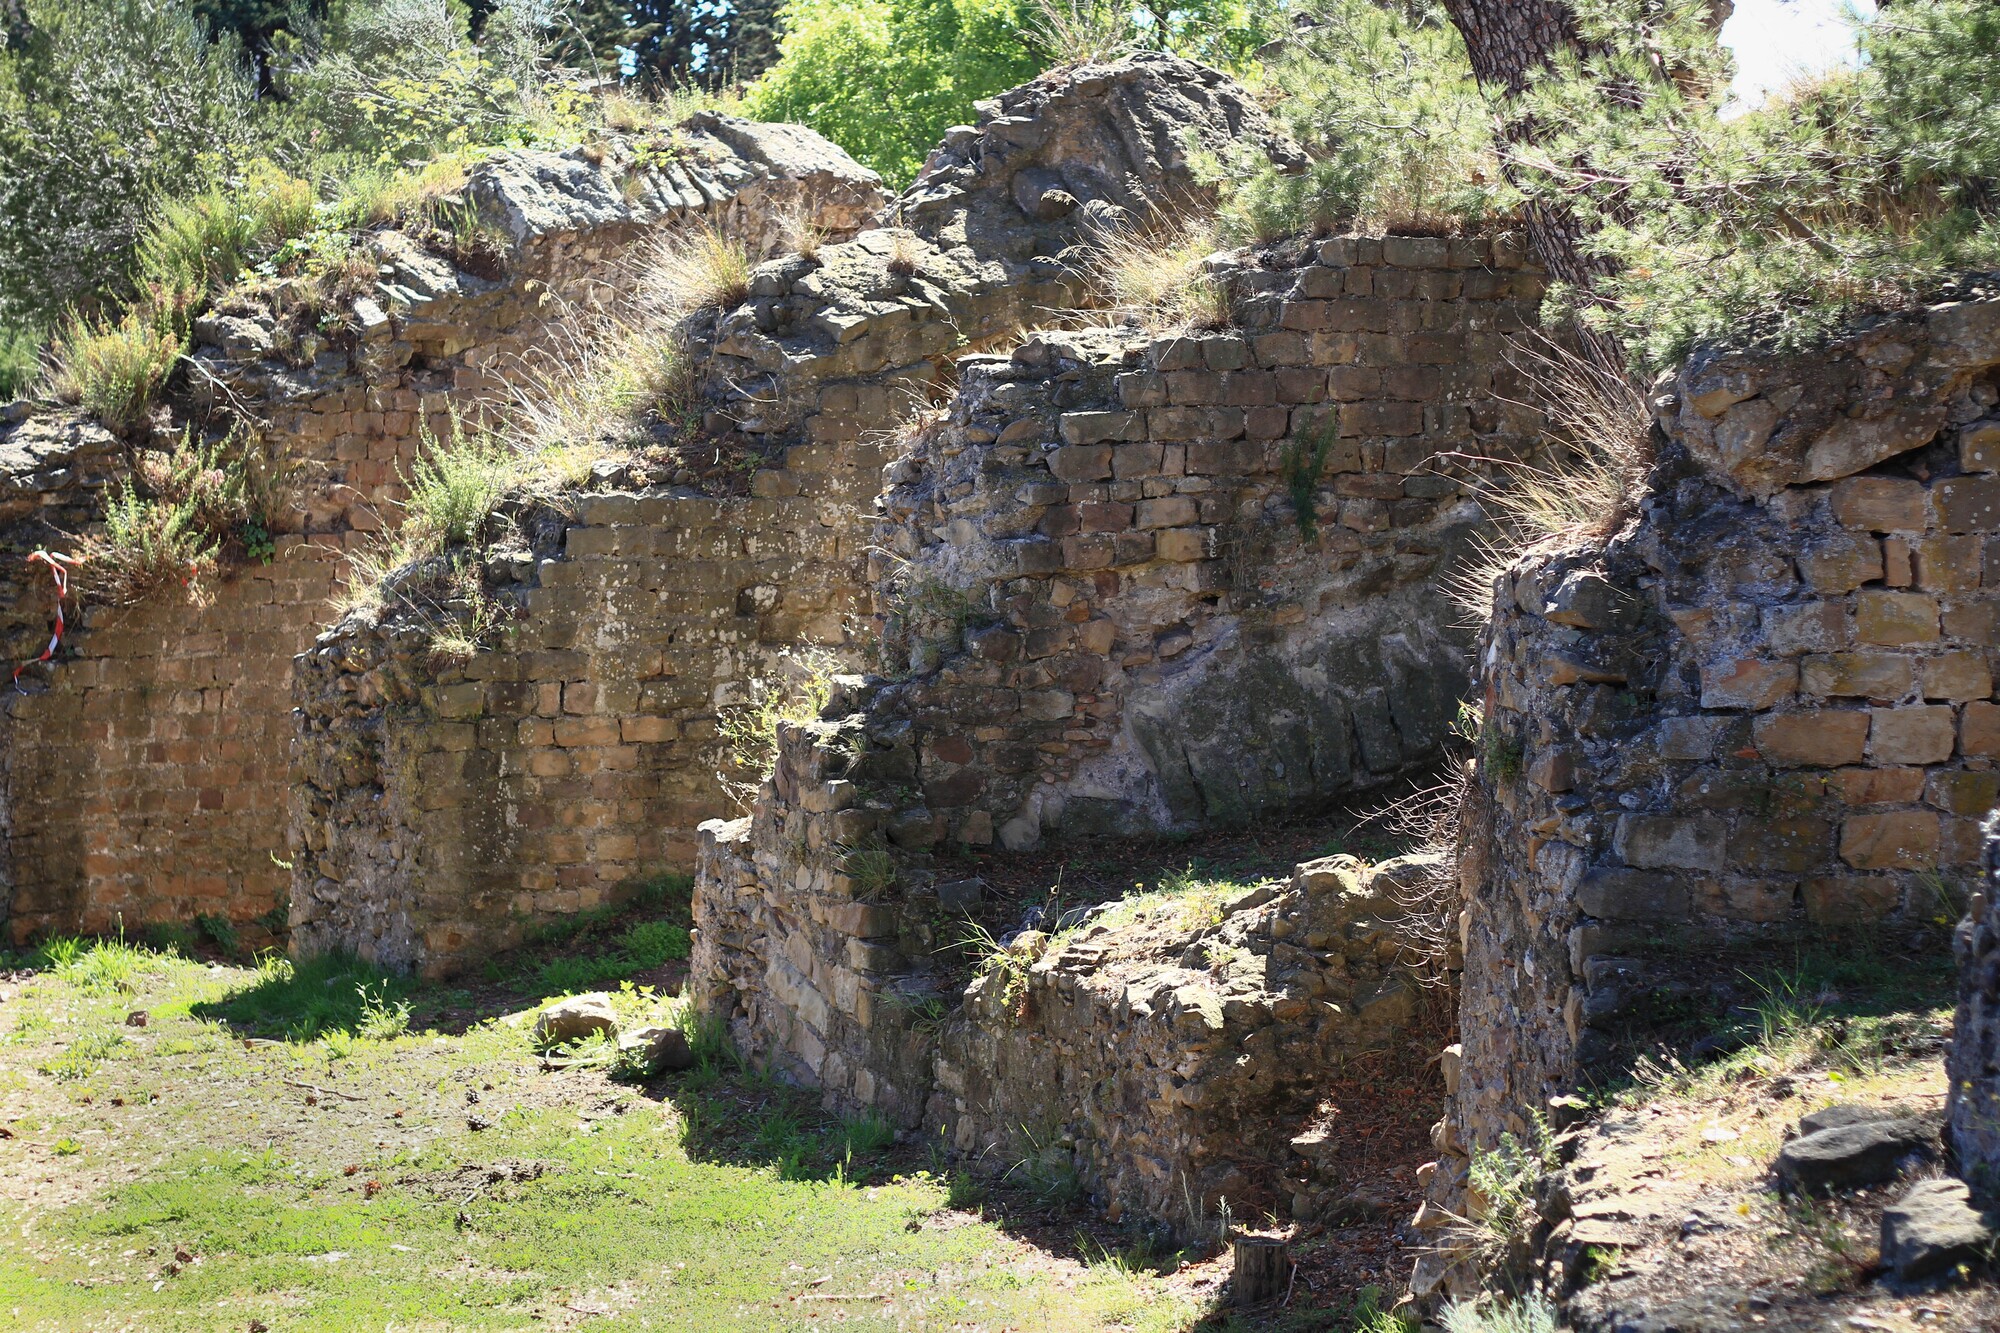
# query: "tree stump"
{"type": "Point", "coordinates": [1263, 1269]}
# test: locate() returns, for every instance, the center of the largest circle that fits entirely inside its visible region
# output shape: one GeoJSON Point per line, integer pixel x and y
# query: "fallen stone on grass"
{"type": "Point", "coordinates": [574, 1019]}
{"type": "Point", "coordinates": [662, 1049]}
{"type": "Point", "coordinates": [1934, 1229]}
{"type": "Point", "coordinates": [1852, 1155]}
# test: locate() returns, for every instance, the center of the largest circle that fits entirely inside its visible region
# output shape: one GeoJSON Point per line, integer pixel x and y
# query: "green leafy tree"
{"type": "Point", "coordinates": [105, 106]}
{"type": "Point", "coordinates": [885, 78]}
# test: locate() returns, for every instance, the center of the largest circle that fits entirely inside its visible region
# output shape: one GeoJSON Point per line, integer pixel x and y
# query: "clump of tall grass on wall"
{"type": "Point", "coordinates": [629, 370]}
{"type": "Point", "coordinates": [1156, 274]}
{"type": "Point", "coordinates": [1582, 485]}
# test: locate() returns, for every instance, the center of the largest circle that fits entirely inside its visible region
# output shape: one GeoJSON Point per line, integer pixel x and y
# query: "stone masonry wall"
{"type": "Point", "coordinates": [440, 806]}
{"type": "Point", "coordinates": [1103, 616]}
{"type": "Point", "coordinates": [843, 334]}
{"type": "Point", "coordinates": [1765, 705]}
{"type": "Point", "coordinates": [1972, 1065]}
{"type": "Point", "coordinates": [1178, 1054]}
{"type": "Point", "coordinates": [144, 767]}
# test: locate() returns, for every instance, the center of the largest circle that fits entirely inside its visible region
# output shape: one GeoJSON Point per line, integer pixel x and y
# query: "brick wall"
{"type": "Point", "coordinates": [1100, 613]}
{"type": "Point", "coordinates": [1765, 707]}
{"type": "Point", "coordinates": [144, 769]}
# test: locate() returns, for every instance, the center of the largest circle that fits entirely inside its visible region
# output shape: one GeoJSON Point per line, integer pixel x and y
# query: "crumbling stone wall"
{"type": "Point", "coordinates": [1972, 1065]}
{"type": "Point", "coordinates": [844, 334]}
{"type": "Point", "coordinates": [1169, 1056]}
{"type": "Point", "coordinates": [1178, 1055]}
{"type": "Point", "coordinates": [1103, 613]}
{"type": "Point", "coordinates": [1766, 704]}
{"type": "Point", "coordinates": [144, 768]}
{"type": "Point", "coordinates": [985, 243]}
{"type": "Point", "coordinates": [439, 806]}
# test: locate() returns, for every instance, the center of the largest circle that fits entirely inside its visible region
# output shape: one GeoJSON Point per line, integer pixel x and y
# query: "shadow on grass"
{"type": "Point", "coordinates": [1843, 997]}
{"type": "Point", "coordinates": [645, 940]}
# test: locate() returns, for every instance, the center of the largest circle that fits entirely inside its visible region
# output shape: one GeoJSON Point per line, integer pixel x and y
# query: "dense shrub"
{"type": "Point", "coordinates": [105, 106]}
{"type": "Point", "coordinates": [1856, 190]}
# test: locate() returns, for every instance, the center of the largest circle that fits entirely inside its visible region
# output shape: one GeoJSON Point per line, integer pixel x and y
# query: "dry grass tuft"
{"type": "Point", "coordinates": [803, 235]}
{"type": "Point", "coordinates": [1081, 32]}
{"type": "Point", "coordinates": [905, 256]}
{"type": "Point", "coordinates": [695, 270]}
{"type": "Point", "coordinates": [1157, 274]}
{"type": "Point", "coordinates": [1599, 442]}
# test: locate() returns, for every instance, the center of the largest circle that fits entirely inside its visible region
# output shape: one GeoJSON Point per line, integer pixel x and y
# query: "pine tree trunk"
{"type": "Point", "coordinates": [1507, 41]}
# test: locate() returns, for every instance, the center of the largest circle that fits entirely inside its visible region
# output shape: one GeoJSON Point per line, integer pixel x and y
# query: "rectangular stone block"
{"type": "Point", "coordinates": [1915, 734]}
{"type": "Point", "coordinates": [1892, 840]}
{"type": "Point", "coordinates": [1856, 675]}
{"type": "Point", "coordinates": [1895, 617]}
{"type": "Point", "coordinates": [1840, 562]}
{"type": "Point", "coordinates": [1795, 844]}
{"type": "Point", "coordinates": [1172, 511]}
{"type": "Point", "coordinates": [1979, 730]}
{"type": "Point", "coordinates": [1963, 792]}
{"type": "Point", "coordinates": [1878, 786]}
{"type": "Point", "coordinates": [1957, 677]}
{"type": "Point", "coordinates": [1822, 739]}
{"type": "Point", "coordinates": [1880, 504]}
{"type": "Point", "coordinates": [1979, 446]}
{"type": "Point", "coordinates": [1079, 463]}
{"type": "Point", "coordinates": [1968, 504]}
{"type": "Point", "coordinates": [1738, 898]}
{"type": "Point", "coordinates": [1838, 900]}
{"type": "Point", "coordinates": [1949, 564]}
{"type": "Point", "coordinates": [1748, 684]}
{"type": "Point", "coordinates": [1618, 894]}
{"type": "Point", "coordinates": [1670, 842]}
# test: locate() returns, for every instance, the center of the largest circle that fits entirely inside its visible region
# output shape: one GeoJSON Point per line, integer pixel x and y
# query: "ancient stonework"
{"type": "Point", "coordinates": [440, 806]}
{"type": "Point", "coordinates": [1171, 1054]}
{"type": "Point", "coordinates": [1972, 1110]}
{"type": "Point", "coordinates": [1766, 705]}
{"type": "Point", "coordinates": [1176, 1054]}
{"type": "Point", "coordinates": [849, 330]}
{"type": "Point", "coordinates": [1103, 612]}
{"type": "Point", "coordinates": [144, 767]}
{"type": "Point", "coordinates": [982, 246]}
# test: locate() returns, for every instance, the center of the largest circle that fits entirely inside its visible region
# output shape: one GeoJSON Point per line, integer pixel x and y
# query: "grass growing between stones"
{"type": "Point", "coordinates": [191, 1174]}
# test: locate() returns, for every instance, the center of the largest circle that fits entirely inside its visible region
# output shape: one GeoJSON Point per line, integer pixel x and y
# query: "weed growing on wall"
{"type": "Point", "coordinates": [1304, 460]}
{"type": "Point", "coordinates": [181, 514]}
{"type": "Point", "coordinates": [1157, 275]}
{"type": "Point", "coordinates": [795, 692]}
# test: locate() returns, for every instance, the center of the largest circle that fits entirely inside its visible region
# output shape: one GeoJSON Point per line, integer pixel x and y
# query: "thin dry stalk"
{"type": "Point", "coordinates": [1427, 820]}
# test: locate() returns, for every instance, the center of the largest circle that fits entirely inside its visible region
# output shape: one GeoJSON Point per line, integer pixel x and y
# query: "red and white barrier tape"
{"type": "Point", "coordinates": [59, 566]}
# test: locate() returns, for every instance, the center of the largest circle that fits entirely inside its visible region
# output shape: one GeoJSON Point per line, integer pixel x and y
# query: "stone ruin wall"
{"type": "Point", "coordinates": [440, 809]}
{"type": "Point", "coordinates": [1764, 706]}
{"type": "Point", "coordinates": [1972, 1063]}
{"type": "Point", "coordinates": [145, 768]}
{"type": "Point", "coordinates": [1138, 635]}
